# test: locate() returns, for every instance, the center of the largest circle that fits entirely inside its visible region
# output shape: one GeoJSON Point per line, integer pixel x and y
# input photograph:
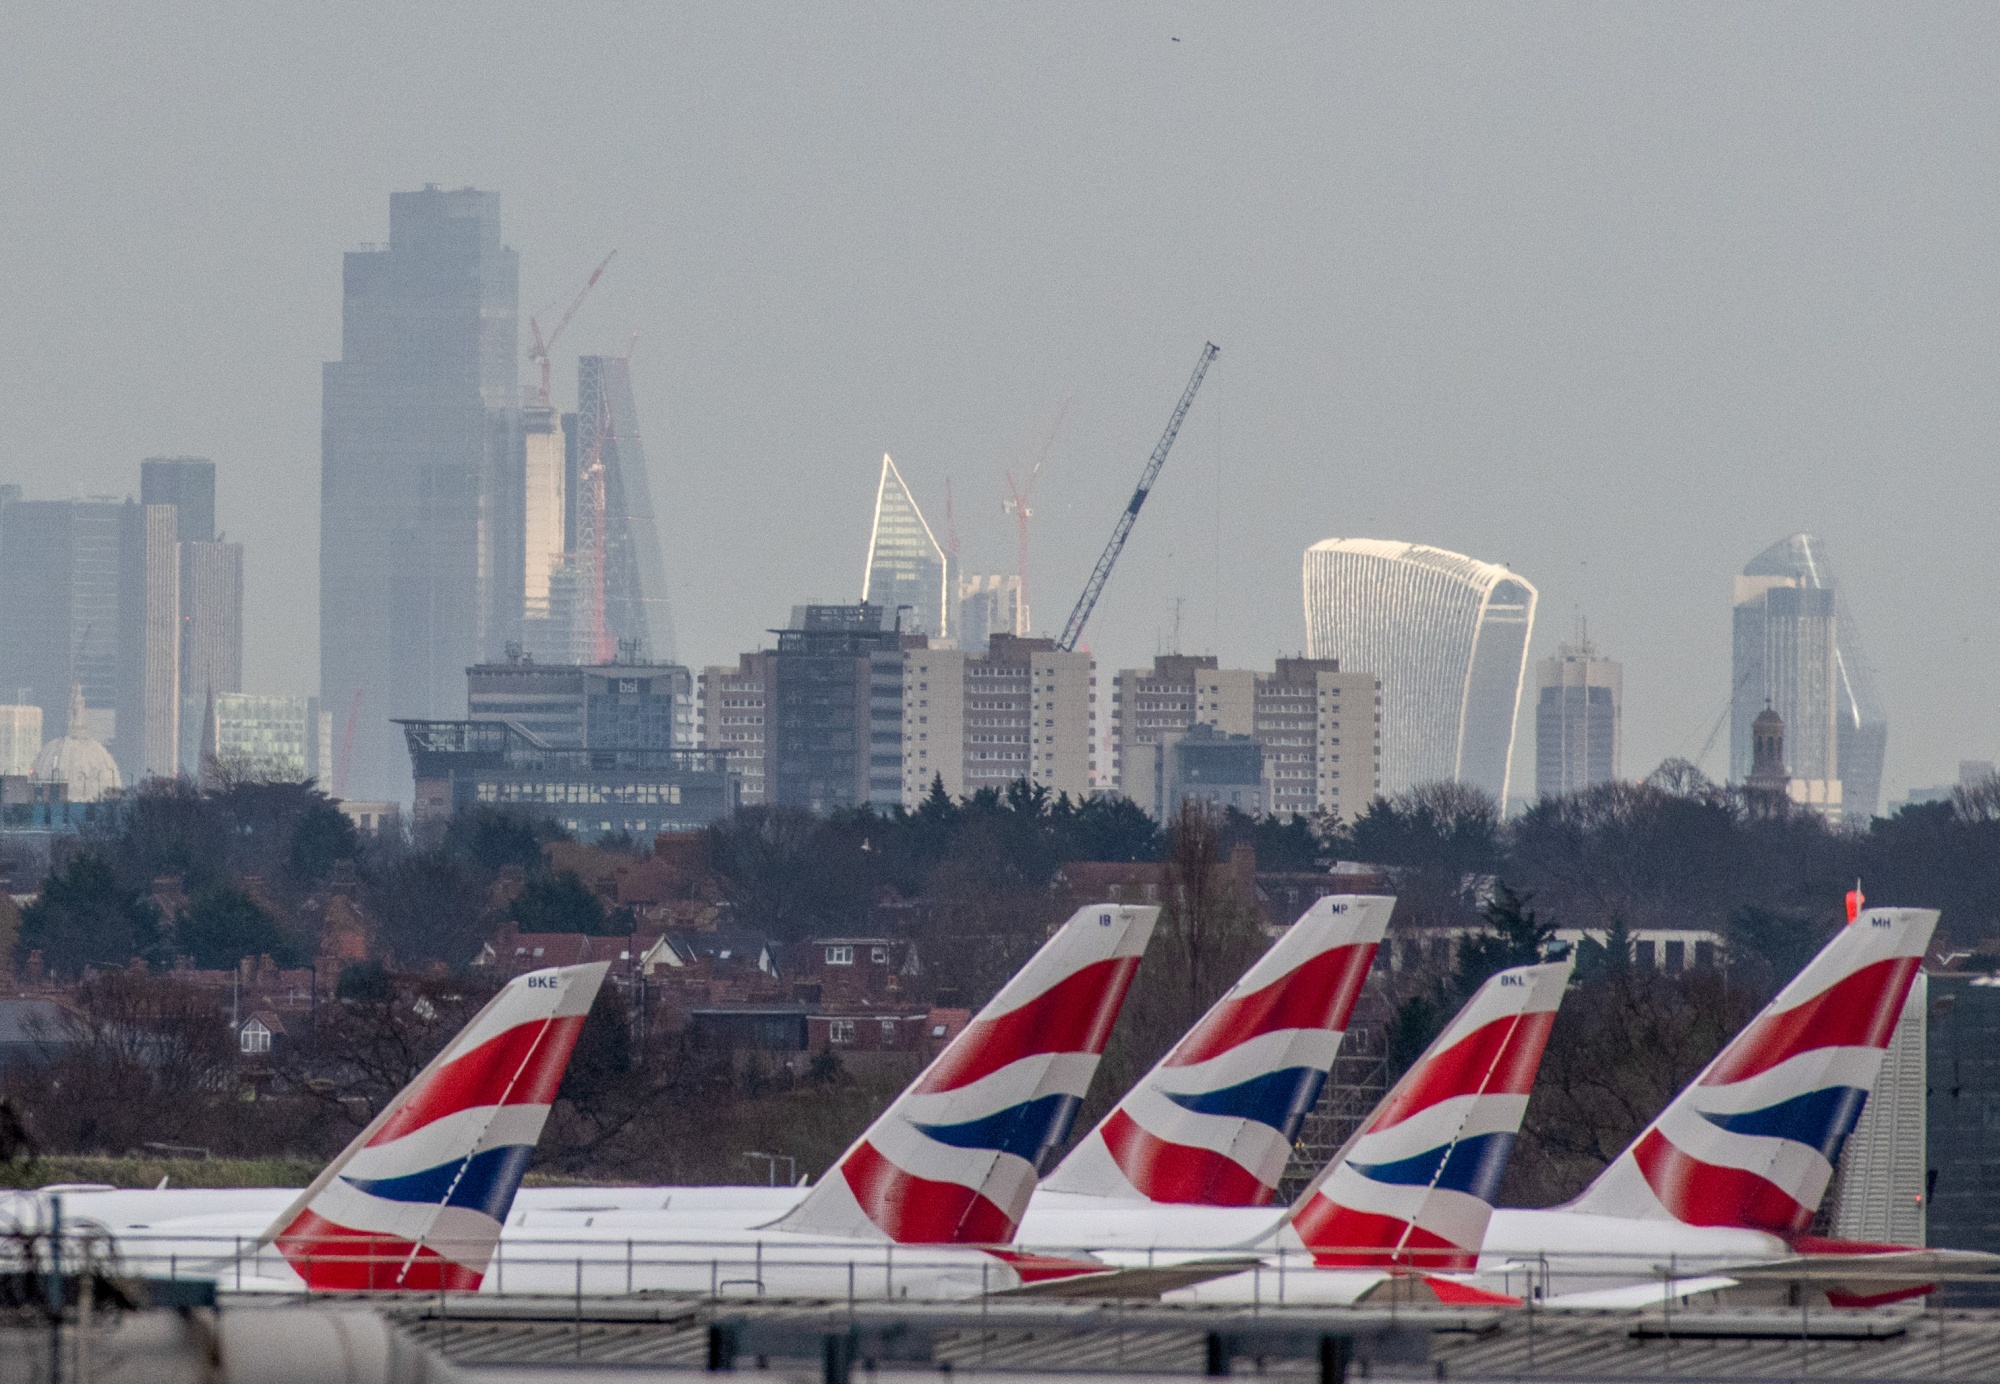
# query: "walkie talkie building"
{"type": "Point", "coordinates": [1448, 637]}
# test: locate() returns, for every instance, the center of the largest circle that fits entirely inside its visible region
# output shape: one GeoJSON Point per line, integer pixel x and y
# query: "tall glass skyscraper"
{"type": "Point", "coordinates": [421, 485]}
{"type": "Point", "coordinates": [635, 577]}
{"type": "Point", "coordinates": [1448, 637]}
{"type": "Point", "coordinates": [211, 650]}
{"type": "Point", "coordinates": [906, 567]}
{"type": "Point", "coordinates": [1796, 650]}
{"type": "Point", "coordinates": [1579, 703]}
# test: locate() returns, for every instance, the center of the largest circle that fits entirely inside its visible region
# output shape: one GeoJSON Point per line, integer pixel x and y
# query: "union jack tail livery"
{"type": "Point", "coordinates": [1415, 1187]}
{"type": "Point", "coordinates": [1213, 1123]}
{"type": "Point", "coordinates": [417, 1200]}
{"type": "Point", "coordinates": [954, 1159]}
{"type": "Point", "coordinates": [1752, 1142]}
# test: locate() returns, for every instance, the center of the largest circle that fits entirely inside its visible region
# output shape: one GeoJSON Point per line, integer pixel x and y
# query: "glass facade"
{"type": "Point", "coordinates": [906, 567]}
{"type": "Point", "coordinates": [1446, 635]}
{"type": "Point", "coordinates": [265, 739]}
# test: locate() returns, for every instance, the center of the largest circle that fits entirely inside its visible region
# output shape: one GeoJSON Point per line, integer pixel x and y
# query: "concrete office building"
{"type": "Point", "coordinates": [1579, 713]}
{"type": "Point", "coordinates": [906, 567]}
{"type": "Point", "coordinates": [1795, 649]}
{"type": "Point", "coordinates": [1203, 764]}
{"type": "Point", "coordinates": [20, 738]}
{"type": "Point", "coordinates": [1318, 730]}
{"type": "Point", "coordinates": [1446, 634]}
{"type": "Point", "coordinates": [605, 706]}
{"type": "Point", "coordinates": [1020, 710]}
{"type": "Point", "coordinates": [211, 599]}
{"type": "Point", "coordinates": [732, 707]}
{"type": "Point", "coordinates": [545, 512]}
{"type": "Point", "coordinates": [93, 601]}
{"type": "Point", "coordinates": [421, 474]}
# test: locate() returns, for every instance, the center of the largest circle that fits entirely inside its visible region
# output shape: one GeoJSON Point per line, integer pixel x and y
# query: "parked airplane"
{"type": "Point", "coordinates": [1410, 1193]}
{"type": "Point", "coordinates": [950, 1162]}
{"type": "Point", "coordinates": [1719, 1191]}
{"type": "Point", "coordinates": [417, 1199]}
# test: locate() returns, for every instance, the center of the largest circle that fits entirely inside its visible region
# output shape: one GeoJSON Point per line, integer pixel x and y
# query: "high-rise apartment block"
{"type": "Point", "coordinates": [211, 597]}
{"type": "Point", "coordinates": [1021, 710]}
{"type": "Point", "coordinates": [733, 716]}
{"type": "Point", "coordinates": [1796, 651]}
{"type": "Point", "coordinates": [20, 738]}
{"type": "Point", "coordinates": [421, 474]}
{"type": "Point", "coordinates": [1448, 637]}
{"type": "Point", "coordinates": [906, 574]}
{"type": "Point", "coordinates": [1318, 730]}
{"type": "Point", "coordinates": [1579, 709]}
{"type": "Point", "coordinates": [834, 731]}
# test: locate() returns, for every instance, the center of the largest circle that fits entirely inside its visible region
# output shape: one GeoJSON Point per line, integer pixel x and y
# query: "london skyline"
{"type": "Point", "coordinates": [1623, 387]}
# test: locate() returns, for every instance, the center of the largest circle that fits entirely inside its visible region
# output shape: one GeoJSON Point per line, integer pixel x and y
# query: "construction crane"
{"type": "Point", "coordinates": [538, 349]}
{"type": "Point", "coordinates": [1100, 574]}
{"type": "Point", "coordinates": [1016, 504]}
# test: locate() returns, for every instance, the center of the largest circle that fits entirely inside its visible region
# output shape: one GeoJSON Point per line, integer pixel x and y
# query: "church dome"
{"type": "Point", "coordinates": [84, 765]}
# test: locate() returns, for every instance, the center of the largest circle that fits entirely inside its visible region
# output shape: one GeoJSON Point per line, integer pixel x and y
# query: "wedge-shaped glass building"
{"type": "Point", "coordinates": [1446, 634]}
{"type": "Point", "coordinates": [906, 567]}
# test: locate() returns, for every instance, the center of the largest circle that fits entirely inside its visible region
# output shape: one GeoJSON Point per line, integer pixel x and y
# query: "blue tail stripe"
{"type": "Point", "coordinates": [488, 1184]}
{"type": "Point", "coordinates": [1819, 1119]}
{"type": "Point", "coordinates": [1028, 1130]}
{"type": "Point", "coordinates": [1279, 1099]}
{"type": "Point", "coordinates": [1473, 1165]}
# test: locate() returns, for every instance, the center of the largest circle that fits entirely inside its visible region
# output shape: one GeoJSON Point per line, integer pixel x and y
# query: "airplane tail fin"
{"type": "Point", "coordinates": [1213, 1122]}
{"type": "Point", "coordinates": [1415, 1187]}
{"type": "Point", "coordinates": [417, 1200]}
{"type": "Point", "coordinates": [954, 1159]}
{"type": "Point", "coordinates": [1752, 1142]}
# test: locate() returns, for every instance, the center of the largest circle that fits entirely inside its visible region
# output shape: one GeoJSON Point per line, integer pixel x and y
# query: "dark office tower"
{"type": "Point", "coordinates": [211, 652]}
{"type": "Point", "coordinates": [186, 483]}
{"type": "Point", "coordinates": [420, 478]}
{"type": "Point", "coordinates": [92, 601]}
{"type": "Point", "coordinates": [606, 425]}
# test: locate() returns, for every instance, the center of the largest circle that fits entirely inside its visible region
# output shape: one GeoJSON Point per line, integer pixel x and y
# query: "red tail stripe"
{"type": "Point", "coordinates": [1857, 1011]}
{"type": "Point", "coordinates": [332, 1258]}
{"type": "Point", "coordinates": [1179, 1173]}
{"type": "Point", "coordinates": [537, 1051]}
{"type": "Point", "coordinates": [912, 1210]}
{"type": "Point", "coordinates": [1073, 1015]}
{"type": "Point", "coordinates": [1496, 1059]}
{"type": "Point", "coordinates": [1698, 1193]}
{"type": "Point", "coordinates": [1318, 993]}
{"type": "Point", "coordinates": [1342, 1237]}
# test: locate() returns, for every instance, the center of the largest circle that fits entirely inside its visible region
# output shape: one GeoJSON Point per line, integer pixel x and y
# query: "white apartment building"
{"type": "Point", "coordinates": [1320, 729]}
{"type": "Point", "coordinates": [731, 706]}
{"type": "Point", "coordinates": [1022, 710]}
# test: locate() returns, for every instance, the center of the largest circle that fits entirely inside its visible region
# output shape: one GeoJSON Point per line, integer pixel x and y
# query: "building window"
{"type": "Point", "coordinates": [888, 1033]}
{"type": "Point", "coordinates": [840, 1032]}
{"type": "Point", "coordinates": [840, 956]}
{"type": "Point", "coordinates": [879, 955]}
{"type": "Point", "coordinates": [254, 1038]}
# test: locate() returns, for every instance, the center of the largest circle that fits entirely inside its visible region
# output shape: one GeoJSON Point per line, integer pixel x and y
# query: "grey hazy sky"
{"type": "Point", "coordinates": [1617, 295]}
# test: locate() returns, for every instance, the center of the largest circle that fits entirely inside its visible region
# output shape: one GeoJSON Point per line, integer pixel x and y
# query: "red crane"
{"type": "Point", "coordinates": [1016, 504]}
{"type": "Point", "coordinates": [538, 349]}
